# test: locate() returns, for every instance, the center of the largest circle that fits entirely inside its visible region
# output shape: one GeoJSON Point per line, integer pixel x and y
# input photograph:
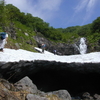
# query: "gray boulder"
{"type": "Point", "coordinates": [26, 84]}
{"type": "Point", "coordinates": [35, 97]}
{"type": "Point", "coordinates": [62, 94]}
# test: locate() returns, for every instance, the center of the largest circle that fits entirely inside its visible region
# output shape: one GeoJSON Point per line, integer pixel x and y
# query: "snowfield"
{"type": "Point", "coordinates": [12, 55]}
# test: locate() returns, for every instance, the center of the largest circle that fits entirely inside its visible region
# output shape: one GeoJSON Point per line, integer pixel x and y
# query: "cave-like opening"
{"type": "Point", "coordinates": [74, 83]}
{"type": "Point", "coordinates": [76, 78]}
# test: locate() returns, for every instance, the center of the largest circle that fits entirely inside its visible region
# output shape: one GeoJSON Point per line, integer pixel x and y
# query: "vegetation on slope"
{"type": "Point", "coordinates": [22, 27]}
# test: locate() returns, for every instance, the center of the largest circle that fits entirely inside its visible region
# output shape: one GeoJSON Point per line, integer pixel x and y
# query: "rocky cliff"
{"type": "Point", "coordinates": [61, 48]}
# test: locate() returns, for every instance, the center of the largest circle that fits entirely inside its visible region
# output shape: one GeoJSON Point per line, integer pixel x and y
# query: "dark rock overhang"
{"type": "Point", "coordinates": [51, 75]}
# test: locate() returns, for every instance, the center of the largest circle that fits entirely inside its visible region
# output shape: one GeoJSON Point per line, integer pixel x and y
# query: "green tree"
{"type": "Point", "coordinates": [84, 30]}
{"type": "Point", "coordinates": [3, 15]}
{"type": "Point", "coordinates": [96, 25]}
{"type": "Point", "coordinates": [2, 12]}
{"type": "Point", "coordinates": [13, 12]}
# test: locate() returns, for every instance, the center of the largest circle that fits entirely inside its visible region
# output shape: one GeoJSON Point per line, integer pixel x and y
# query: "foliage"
{"type": "Point", "coordinates": [85, 30]}
{"type": "Point", "coordinates": [96, 25]}
{"type": "Point", "coordinates": [94, 38]}
{"type": "Point", "coordinates": [2, 13]}
{"type": "Point", "coordinates": [26, 23]}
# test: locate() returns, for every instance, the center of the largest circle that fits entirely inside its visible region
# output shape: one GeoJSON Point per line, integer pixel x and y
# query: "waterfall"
{"type": "Point", "coordinates": [82, 46]}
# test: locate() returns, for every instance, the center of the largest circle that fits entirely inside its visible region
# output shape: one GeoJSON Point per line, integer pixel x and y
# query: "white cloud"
{"type": "Point", "coordinates": [81, 6]}
{"type": "Point", "coordinates": [87, 6]}
{"type": "Point", "coordinates": [23, 5]}
{"type": "Point", "coordinates": [41, 8]}
{"type": "Point", "coordinates": [91, 5]}
{"type": "Point", "coordinates": [50, 5]}
{"type": "Point", "coordinates": [90, 9]}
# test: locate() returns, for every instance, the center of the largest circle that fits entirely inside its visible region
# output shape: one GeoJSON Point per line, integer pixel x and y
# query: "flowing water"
{"type": "Point", "coordinates": [82, 46]}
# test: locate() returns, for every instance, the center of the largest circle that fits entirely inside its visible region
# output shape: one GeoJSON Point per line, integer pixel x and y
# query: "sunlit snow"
{"type": "Point", "coordinates": [12, 55]}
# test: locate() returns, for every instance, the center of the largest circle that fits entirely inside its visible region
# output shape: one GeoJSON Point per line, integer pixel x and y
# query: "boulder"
{"type": "Point", "coordinates": [97, 97]}
{"type": "Point", "coordinates": [87, 95]}
{"type": "Point", "coordinates": [63, 94]}
{"type": "Point", "coordinates": [35, 97]}
{"type": "Point", "coordinates": [26, 84]}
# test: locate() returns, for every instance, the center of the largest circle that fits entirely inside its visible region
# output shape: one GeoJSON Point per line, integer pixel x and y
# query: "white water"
{"type": "Point", "coordinates": [82, 46]}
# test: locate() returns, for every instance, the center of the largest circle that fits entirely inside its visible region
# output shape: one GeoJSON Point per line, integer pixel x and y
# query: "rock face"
{"type": "Point", "coordinates": [61, 48]}
{"type": "Point", "coordinates": [51, 76]}
{"type": "Point", "coordinates": [67, 48]}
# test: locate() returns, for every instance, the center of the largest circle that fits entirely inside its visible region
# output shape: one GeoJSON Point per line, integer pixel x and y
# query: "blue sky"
{"type": "Point", "coordinates": [61, 13]}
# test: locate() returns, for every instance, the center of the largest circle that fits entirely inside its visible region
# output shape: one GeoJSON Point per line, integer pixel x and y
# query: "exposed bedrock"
{"type": "Point", "coordinates": [76, 78]}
